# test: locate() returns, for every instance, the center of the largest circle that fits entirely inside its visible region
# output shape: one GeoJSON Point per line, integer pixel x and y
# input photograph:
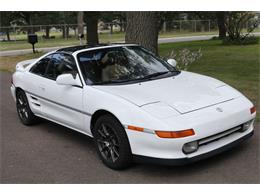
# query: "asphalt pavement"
{"type": "Point", "coordinates": [50, 153]}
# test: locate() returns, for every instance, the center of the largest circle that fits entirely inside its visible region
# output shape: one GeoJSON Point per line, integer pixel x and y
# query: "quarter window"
{"type": "Point", "coordinates": [40, 67]}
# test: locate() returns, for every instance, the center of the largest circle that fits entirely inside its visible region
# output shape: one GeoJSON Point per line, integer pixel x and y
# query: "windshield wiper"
{"type": "Point", "coordinates": [109, 82]}
{"type": "Point", "coordinates": [155, 75]}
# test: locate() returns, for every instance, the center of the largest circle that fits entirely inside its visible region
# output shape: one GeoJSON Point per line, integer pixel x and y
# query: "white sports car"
{"type": "Point", "coordinates": [136, 106]}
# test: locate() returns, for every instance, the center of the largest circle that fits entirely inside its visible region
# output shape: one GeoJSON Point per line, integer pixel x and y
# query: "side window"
{"type": "Point", "coordinates": [40, 67]}
{"type": "Point", "coordinates": [61, 64]}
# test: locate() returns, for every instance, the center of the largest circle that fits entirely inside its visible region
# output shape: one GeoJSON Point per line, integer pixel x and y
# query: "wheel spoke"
{"type": "Point", "coordinates": [20, 101]}
{"type": "Point", "coordinates": [101, 133]}
{"type": "Point", "coordinates": [101, 141]}
{"type": "Point", "coordinates": [108, 143]}
{"type": "Point", "coordinates": [115, 151]}
{"type": "Point", "coordinates": [25, 113]}
{"type": "Point", "coordinates": [104, 128]}
{"type": "Point", "coordinates": [112, 154]}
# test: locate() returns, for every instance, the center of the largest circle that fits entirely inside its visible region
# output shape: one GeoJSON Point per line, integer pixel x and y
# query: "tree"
{"type": "Point", "coordinates": [236, 21]}
{"type": "Point", "coordinates": [142, 28]}
{"type": "Point", "coordinates": [27, 17]}
{"type": "Point", "coordinates": [80, 22]}
{"type": "Point", "coordinates": [91, 20]}
{"type": "Point", "coordinates": [113, 18]}
{"type": "Point", "coordinates": [221, 24]}
{"type": "Point", "coordinates": [67, 18]}
{"type": "Point", "coordinates": [5, 20]}
{"type": "Point", "coordinates": [46, 19]}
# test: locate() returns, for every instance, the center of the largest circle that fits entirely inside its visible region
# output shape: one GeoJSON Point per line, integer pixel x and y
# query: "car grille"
{"type": "Point", "coordinates": [218, 136]}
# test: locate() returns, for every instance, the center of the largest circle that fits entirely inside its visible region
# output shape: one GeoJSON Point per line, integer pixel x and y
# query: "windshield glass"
{"type": "Point", "coordinates": [122, 64]}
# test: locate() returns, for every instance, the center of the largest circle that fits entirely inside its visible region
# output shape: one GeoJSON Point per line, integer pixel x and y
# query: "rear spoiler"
{"type": "Point", "coordinates": [23, 64]}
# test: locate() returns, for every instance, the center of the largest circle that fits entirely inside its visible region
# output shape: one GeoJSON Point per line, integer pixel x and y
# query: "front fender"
{"type": "Point", "coordinates": [126, 112]}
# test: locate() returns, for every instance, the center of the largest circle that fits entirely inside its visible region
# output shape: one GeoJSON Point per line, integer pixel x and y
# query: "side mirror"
{"type": "Point", "coordinates": [67, 79]}
{"type": "Point", "coordinates": [172, 62]}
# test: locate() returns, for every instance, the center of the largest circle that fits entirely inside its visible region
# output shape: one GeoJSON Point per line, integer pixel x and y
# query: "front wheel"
{"type": "Point", "coordinates": [112, 143]}
{"type": "Point", "coordinates": [23, 109]}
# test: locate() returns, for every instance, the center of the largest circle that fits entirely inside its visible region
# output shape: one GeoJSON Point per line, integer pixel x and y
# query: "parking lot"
{"type": "Point", "coordinates": [50, 153]}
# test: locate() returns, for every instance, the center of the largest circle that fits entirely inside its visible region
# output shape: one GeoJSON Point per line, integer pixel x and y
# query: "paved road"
{"type": "Point", "coordinates": [49, 153]}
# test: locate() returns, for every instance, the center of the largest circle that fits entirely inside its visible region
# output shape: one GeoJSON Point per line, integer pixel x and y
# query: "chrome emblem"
{"type": "Point", "coordinates": [219, 109]}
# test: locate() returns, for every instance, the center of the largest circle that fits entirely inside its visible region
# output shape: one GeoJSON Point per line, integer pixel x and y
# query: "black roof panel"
{"type": "Point", "coordinates": [80, 47]}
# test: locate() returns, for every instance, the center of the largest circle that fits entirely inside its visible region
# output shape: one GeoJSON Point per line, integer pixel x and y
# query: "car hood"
{"type": "Point", "coordinates": [184, 93]}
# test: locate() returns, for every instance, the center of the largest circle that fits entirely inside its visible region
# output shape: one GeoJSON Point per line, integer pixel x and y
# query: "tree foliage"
{"type": "Point", "coordinates": [236, 21]}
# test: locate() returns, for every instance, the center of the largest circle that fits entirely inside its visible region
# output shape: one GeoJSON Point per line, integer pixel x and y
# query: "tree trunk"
{"type": "Point", "coordinates": [8, 34]}
{"type": "Point", "coordinates": [63, 32]}
{"type": "Point", "coordinates": [120, 25]}
{"type": "Point", "coordinates": [30, 23]}
{"type": "Point", "coordinates": [67, 31]}
{"type": "Point", "coordinates": [80, 23]}
{"type": "Point", "coordinates": [111, 28]}
{"type": "Point", "coordinates": [221, 24]}
{"type": "Point", "coordinates": [91, 19]}
{"type": "Point", "coordinates": [142, 28]}
{"type": "Point", "coordinates": [47, 32]}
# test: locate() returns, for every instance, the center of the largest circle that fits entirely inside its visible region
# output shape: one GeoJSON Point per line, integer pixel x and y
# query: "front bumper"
{"type": "Point", "coordinates": [206, 123]}
{"type": "Point", "coordinates": [183, 161]}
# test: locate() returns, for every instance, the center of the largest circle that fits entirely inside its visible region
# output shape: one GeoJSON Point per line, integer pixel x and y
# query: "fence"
{"type": "Point", "coordinates": [189, 26]}
{"type": "Point", "coordinates": [108, 32]}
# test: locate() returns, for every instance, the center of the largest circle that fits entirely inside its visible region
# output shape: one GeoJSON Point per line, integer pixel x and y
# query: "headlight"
{"type": "Point", "coordinates": [246, 126]}
{"type": "Point", "coordinates": [190, 147]}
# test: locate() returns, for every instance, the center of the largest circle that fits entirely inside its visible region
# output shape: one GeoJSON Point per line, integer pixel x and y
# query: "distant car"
{"type": "Point", "coordinates": [136, 106]}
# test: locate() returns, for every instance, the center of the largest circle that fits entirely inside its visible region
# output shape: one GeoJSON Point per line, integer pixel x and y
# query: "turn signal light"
{"type": "Point", "coordinates": [253, 110]}
{"type": "Point", "coordinates": [175, 134]}
{"type": "Point", "coordinates": [135, 128]}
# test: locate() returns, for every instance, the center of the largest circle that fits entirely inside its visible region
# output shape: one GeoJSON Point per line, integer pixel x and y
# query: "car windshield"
{"type": "Point", "coordinates": [122, 64]}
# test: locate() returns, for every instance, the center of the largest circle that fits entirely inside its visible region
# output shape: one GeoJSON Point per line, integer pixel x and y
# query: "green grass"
{"type": "Point", "coordinates": [8, 63]}
{"type": "Point", "coordinates": [239, 66]}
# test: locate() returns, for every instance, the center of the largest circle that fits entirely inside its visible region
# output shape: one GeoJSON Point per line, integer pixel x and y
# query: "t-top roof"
{"type": "Point", "coordinates": [81, 47]}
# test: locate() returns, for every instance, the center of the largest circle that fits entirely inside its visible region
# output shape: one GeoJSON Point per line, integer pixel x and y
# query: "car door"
{"type": "Point", "coordinates": [62, 103]}
{"type": "Point", "coordinates": [34, 80]}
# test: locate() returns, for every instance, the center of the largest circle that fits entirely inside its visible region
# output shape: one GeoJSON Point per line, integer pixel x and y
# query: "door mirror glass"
{"type": "Point", "coordinates": [67, 79]}
{"type": "Point", "coordinates": [172, 62]}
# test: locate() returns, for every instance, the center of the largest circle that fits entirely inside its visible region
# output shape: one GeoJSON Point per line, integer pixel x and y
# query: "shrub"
{"type": "Point", "coordinates": [185, 57]}
{"type": "Point", "coordinates": [241, 41]}
{"type": "Point", "coordinates": [235, 23]}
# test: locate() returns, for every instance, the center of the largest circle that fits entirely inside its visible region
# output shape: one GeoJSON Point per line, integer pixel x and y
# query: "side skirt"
{"type": "Point", "coordinates": [78, 130]}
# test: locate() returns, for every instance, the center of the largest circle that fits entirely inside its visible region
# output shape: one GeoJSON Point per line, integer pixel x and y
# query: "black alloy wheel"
{"type": "Point", "coordinates": [23, 109]}
{"type": "Point", "coordinates": [112, 142]}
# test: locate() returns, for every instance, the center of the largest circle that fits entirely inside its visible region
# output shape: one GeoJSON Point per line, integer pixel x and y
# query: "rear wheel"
{"type": "Point", "coordinates": [23, 109]}
{"type": "Point", "coordinates": [112, 143]}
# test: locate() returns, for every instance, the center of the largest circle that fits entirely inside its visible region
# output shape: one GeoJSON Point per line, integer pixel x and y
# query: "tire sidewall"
{"type": "Point", "coordinates": [125, 154]}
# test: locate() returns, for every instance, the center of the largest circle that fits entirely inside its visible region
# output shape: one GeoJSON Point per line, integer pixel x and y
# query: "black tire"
{"type": "Point", "coordinates": [112, 143]}
{"type": "Point", "coordinates": [24, 112]}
